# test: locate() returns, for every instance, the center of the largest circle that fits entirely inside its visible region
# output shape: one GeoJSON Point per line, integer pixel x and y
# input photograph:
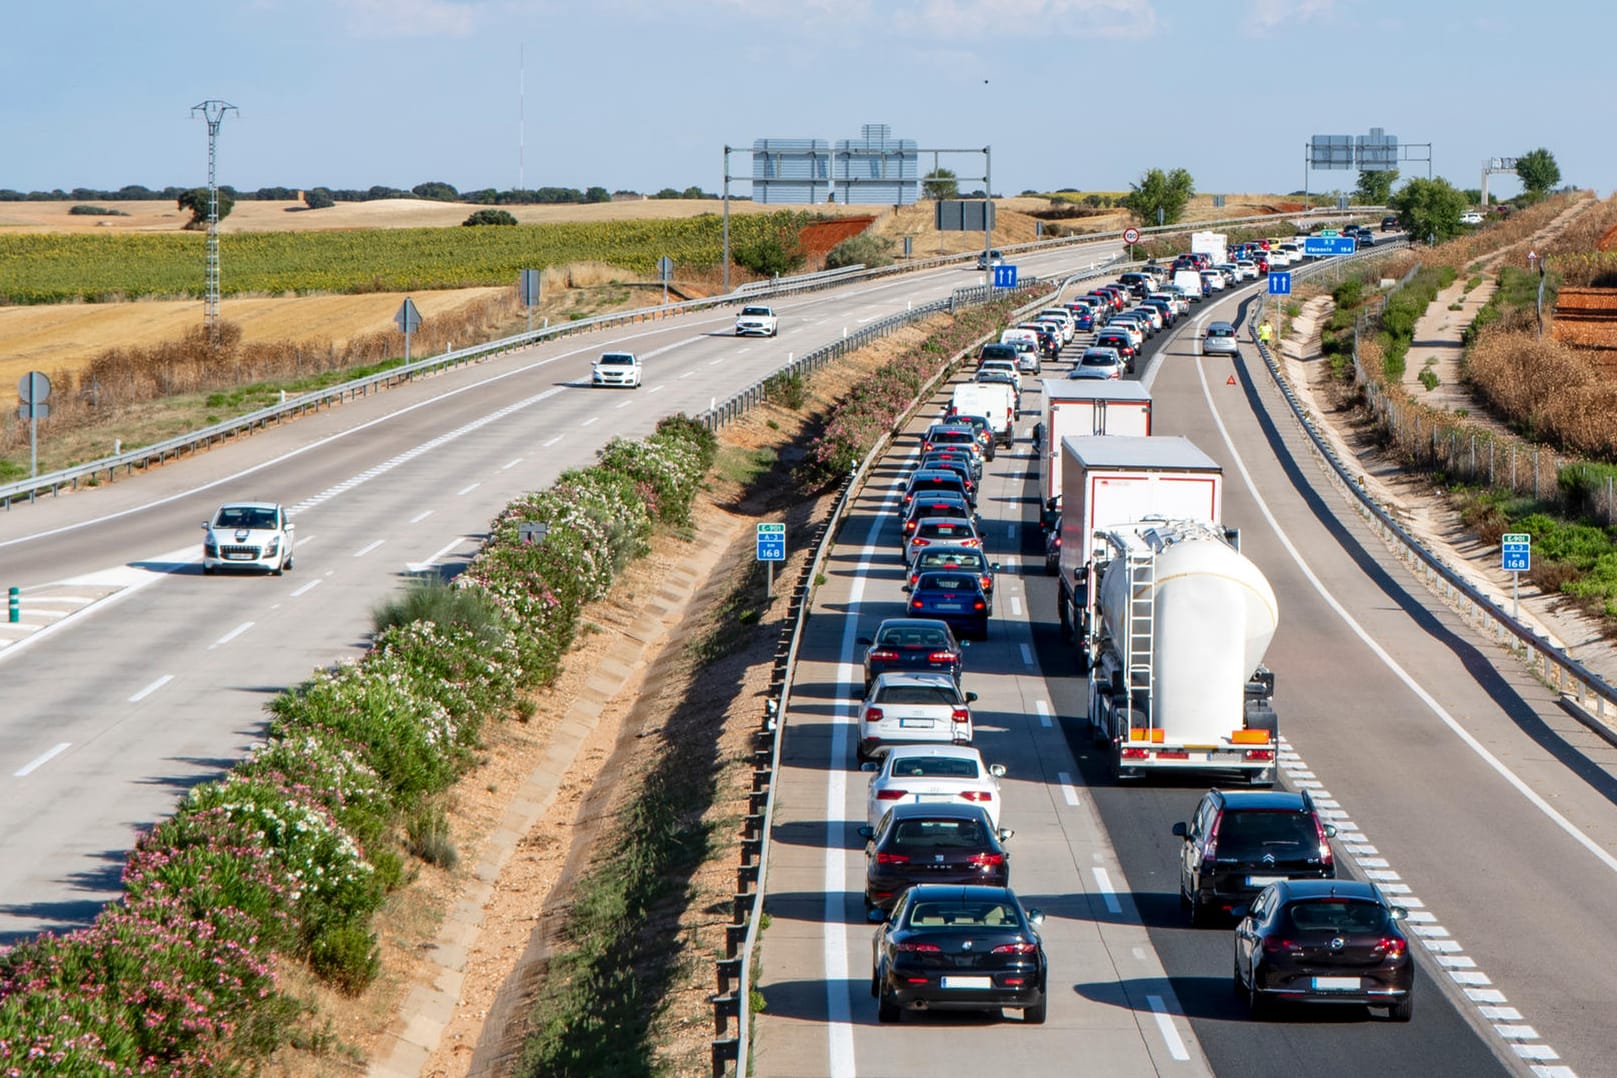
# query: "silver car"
{"type": "Point", "coordinates": [248, 535]}
{"type": "Point", "coordinates": [1220, 340]}
{"type": "Point", "coordinates": [904, 707]}
{"type": "Point", "coordinates": [1097, 362]}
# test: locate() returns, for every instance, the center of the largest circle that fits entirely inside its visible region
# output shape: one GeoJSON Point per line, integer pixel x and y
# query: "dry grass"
{"type": "Point", "coordinates": [1548, 386]}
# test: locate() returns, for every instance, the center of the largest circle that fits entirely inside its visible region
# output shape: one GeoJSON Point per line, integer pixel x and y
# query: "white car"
{"type": "Point", "coordinates": [1248, 268]}
{"type": "Point", "coordinates": [1214, 279]}
{"type": "Point", "coordinates": [1063, 316]}
{"type": "Point", "coordinates": [1278, 257]}
{"type": "Point", "coordinates": [616, 369]}
{"type": "Point", "coordinates": [1008, 366]}
{"type": "Point", "coordinates": [920, 774]}
{"type": "Point", "coordinates": [757, 322]}
{"type": "Point", "coordinates": [248, 535]}
{"type": "Point", "coordinates": [904, 707]}
{"type": "Point", "coordinates": [1471, 217]}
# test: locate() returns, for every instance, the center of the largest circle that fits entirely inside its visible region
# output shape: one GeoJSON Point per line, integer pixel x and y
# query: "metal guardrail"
{"type": "Point", "coordinates": [1594, 697]}
{"type": "Point", "coordinates": [734, 971]}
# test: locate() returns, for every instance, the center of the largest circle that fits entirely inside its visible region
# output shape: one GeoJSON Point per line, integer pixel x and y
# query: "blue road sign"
{"type": "Point", "coordinates": [1279, 284]}
{"type": "Point", "coordinates": [771, 542]}
{"type": "Point", "coordinates": [1517, 548]}
{"type": "Point", "coordinates": [1325, 246]}
{"type": "Point", "coordinates": [1004, 276]}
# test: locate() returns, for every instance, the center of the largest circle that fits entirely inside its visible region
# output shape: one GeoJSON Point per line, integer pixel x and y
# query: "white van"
{"type": "Point", "coordinates": [1191, 281]}
{"type": "Point", "coordinates": [994, 401]}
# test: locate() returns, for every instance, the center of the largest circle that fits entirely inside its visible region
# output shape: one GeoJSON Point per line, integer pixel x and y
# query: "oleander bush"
{"type": "Point", "coordinates": [289, 857]}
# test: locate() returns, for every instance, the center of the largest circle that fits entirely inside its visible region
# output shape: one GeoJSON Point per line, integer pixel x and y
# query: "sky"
{"type": "Point", "coordinates": [635, 95]}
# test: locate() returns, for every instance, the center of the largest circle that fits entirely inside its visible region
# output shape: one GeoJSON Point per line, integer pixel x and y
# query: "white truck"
{"type": "Point", "coordinates": [994, 401]}
{"type": "Point", "coordinates": [1216, 245]}
{"type": "Point", "coordinates": [755, 321]}
{"type": "Point", "coordinates": [1074, 408]}
{"type": "Point", "coordinates": [1169, 619]}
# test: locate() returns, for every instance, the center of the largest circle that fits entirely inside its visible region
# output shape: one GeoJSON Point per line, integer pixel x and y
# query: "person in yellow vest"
{"type": "Point", "coordinates": [1265, 333]}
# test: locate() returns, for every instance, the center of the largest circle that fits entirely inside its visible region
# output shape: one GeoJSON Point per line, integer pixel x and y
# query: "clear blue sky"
{"type": "Point", "coordinates": [640, 95]}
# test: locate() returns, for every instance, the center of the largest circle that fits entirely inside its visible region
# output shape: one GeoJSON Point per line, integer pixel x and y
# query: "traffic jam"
{"type": "Point", "coordinates": [1159, 611]}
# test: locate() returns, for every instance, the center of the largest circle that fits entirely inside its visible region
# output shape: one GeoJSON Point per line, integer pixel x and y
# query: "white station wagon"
{"type": "Point", "coordinates": [248, 535]}
{"type": "Point", "coordinates": [932, 774]}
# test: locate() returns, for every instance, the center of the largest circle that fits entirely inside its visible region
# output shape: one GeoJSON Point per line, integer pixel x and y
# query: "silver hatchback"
{"type": "Point", "coordinates": [1220, 340]}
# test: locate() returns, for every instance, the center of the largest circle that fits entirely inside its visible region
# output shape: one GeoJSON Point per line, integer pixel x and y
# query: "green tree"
{"type": "Point", "coordinates": [1375, 186]}
{"type": "Point", "coordinates": [1160, 193]}
{"type": "Point", "coordinates": [318, 198]}
{"type": "Point", "coordinates": [491, 217]}
{"type": "Point", "coordinates": [1430, 208]}
{"type": "Point", "coordinates": [940, 183]}
{"type": "Point", "coordinates": [196, 200]}
{"type": "Point", "coordinates": [597, 194]}
{"type": "Point", "coordinates": [1538, 171]}
{"type": "Point", "coordinates": [436, 189]}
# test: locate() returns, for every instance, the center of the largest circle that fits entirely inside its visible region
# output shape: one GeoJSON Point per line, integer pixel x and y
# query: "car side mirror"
{"type": "Point", "coordinates": [1240, 912]}
{"type": "Point", "coordinates": [866, 641]}
{"type": "Point", "coordinates": [204, 525]}
{"type": "Point", "coordinates": [1035, 917]}
{"type": "Point", "coordinates": [1330, 830]}
{"type": "Point", "coordinates": [867, 832]}
{"type": "Point", "coordinates": [1400, 914]}
{"type": "Point", "coordinates": [1005, 834]}
{"type": "Point", "coordinates": [971, 698]}
{"type": "Point", "coordinates": [875, 916]}
{"type": "Point", "coordinates": [905, 587]}
{"type": "Point", "coordinates": [997, 770]}
{"type": "Point", "coordinates": [964, 643]}
{"type": "Point", "coordinates": [868, 765]}
{"type": "Point", "coordinates": [290, 526]}
{"type": "Point", "coordinates": [994, 566]}
{"type": "Point", "coordinates": [1181, 830]}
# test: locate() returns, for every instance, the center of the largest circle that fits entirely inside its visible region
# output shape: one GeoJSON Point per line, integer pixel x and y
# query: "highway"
{"type": "Point", "coordinates": [1458, 783]}
{"type": "Point", "coordinates": [133, 677]}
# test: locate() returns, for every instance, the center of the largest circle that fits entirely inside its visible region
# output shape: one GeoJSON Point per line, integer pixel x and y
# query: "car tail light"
{"type": "Point", "coordinates": [916, 604]}
{"type": "Point", "coordinates": [971, 542]}
{"type": "Point", "coordinates": [1276, 945]}
{"type": "Point", "coordinates": [909, 525]}
{"type": "Point", "coordinates": [941, 657]}
{"type": "Point", "coordinates": [873, 714]}
{"type": "Point", "coordinates": [1016, 948]}
{"type": "Point", "coordinates": [1392, 946]}
{"type": "Point", "coordinates": [979, 605]}
{"type": "Point", "coordinates": [978, 796]}
{"type": "Point", "coordinates": [1210, 851]}
{"type": "Point", "coordinates": [887, 654]}
{"type": "Point", "coordinates": [892, 859]}
{"type": "Point", "coordinates": [1325, 856]}
{"type": "Point", "coordinates": [961, 714]}
{"type": "Point", "coordinates": [891, 795]}
{"type": "Point", "coordinates": [986, 581]}
{"type": "Point", "coordinates": [919, 948]}
{"type": "Point", "coordinates": [986, 860]}
{"type": "Point", "coordinates": [918, 541]}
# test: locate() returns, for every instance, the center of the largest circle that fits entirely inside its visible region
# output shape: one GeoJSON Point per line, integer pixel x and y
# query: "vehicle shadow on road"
{"type": "Point", "coordinates": [812, 833]}
{"type": "Point", "coordinates": [808, 908]}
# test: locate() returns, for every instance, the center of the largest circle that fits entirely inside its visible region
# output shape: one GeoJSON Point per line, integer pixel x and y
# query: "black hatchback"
{"type": "Point", "coordinates": [931, 843]}
{"type": "Point", "coordinates": [1240, 841]}
{"type": "Point", "coordinates": [912, 644]}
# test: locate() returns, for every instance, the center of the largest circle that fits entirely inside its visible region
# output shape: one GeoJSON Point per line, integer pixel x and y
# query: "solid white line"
{"type": "Point", "coordinates": [41, 760]}
{"type": "Point", "coordinates": [1108, 894]}
{"type": "Point", "coordinates": [310, 586]}
{"type": "Point", "coordinates": [1389, 662]}
{"type": "Point", "coordinates": [552, 442]}
{"type": "Point", "coordinates": [232, 634]}
{"type": "Point", "coordinates": [153, 687]}
{"type": "Point", "coordinates": [1069, 794]}
{"type": "Point", "coordinates": [508, 465]}
{"type": "Point", "coordinates": [1043, 708]}
{"type": "Point", "coordinates": [364, 550]}
{"type": "Point", "coordinates": [419, 517]}
{"type": "Point", "coordinates": [467, 489]}
{"type": "Point", "coordinates": [1176, 1046]}
{"type": "Point", "coordinates": [1027, 654]}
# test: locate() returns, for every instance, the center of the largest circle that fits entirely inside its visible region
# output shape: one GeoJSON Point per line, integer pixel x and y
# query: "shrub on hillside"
{"type": "Point", "coordinates": [867, 249]}
{"type": "Point", "coordinates": [491, 217]}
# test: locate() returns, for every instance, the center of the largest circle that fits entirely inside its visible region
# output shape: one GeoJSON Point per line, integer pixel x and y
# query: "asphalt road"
{"type": "Point", "coordinates": [1459, 783]}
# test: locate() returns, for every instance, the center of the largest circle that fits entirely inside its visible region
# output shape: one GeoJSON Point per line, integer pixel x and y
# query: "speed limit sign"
{"type": "Point", "coordinates": [1131, 235]}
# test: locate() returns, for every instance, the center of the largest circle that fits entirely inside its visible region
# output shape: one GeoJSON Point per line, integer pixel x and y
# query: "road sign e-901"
{"type": "Point", "coordinates": [771, 542]}
{"type": "Point", "coordinates": [1516, 549]}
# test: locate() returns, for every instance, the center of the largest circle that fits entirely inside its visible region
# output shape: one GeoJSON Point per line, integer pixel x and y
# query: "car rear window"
{"type": "Point", "coordinates": [946, 527]}
{"type": "Point", "coordinates": [945, 832]}
{"type": "Point", "coordinates": [1253, 832]}
{"type": "Point", "coordinates": [997, 351]}
{"type": "Point", "coordinates": [949, 560]}
{"type": "Point", "coordinates": [1220, 331]}
{"type": "Point", "coordinates": [907, 636]}
{"type": "Point", "coordinates": [934, 767]}
{"type": "Point", "coordinates": [974, 914]}
{"type": "Point", "coordinates": [1336, 915]}
{"type": "Point", "coordinates": [932, 693]}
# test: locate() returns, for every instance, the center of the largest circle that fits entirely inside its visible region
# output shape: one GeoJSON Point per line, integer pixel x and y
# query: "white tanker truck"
{"type": "Point", "coordinates": [1175, 652]}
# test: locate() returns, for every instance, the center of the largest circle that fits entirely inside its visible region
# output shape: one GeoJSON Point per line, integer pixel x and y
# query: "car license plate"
{"type": "Point", "coordinates": [1336, 984]}
{"type": "Point", "coordinates": [239, 557]}
{"type": "Point", "coordinates": [951, 606]}
{"type": "Point", "coordinates": [933, 799]}
{"type": "Point", "coordinates": [1262, 881]}
{"type": "Point", "coordinates": [915, 724]}
{"type": "Point", "coordinates": [967, 982]}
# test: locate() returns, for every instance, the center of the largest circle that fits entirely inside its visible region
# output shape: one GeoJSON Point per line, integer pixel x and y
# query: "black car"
{"type": "Point", "coordinates": [966, 469]}
{"type": "Point", "coordinates": [931, 843]}
{"type": "Point", "coordinates": [1389, 223]}
{"type": "Point", "coordinates": [1121, 342]}
{"type": "Point", "coordinates": [934, 505]}
{"type": "Point", "coordinates": [997, 351]}
{"type": "Point", "coordinates": [1240, 841]}
{"type": "Point", "coordinates": [980, 426]}
{"type": "Point", "coordinates": [1324, 941]}
{"type": "Point", "coordinates": [912, 644]}
{"type": "Point", "coordinates": [952, 595]}
{"type": "Point", "coordinates": [959, 948]}
{"type": "Point", "coordinates": [935, 479]}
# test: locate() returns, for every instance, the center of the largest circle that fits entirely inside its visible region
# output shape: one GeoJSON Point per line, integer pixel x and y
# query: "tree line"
{"type": "Point", "coordinates": [435, 190]}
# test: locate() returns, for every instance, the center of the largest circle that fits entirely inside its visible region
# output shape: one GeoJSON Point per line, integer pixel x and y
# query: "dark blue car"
{"type": "Point", "coordinates": [953, 597]}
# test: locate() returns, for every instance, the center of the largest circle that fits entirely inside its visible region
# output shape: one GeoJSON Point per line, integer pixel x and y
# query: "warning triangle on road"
{"type": "Point", "coordinates": [1230, 381]}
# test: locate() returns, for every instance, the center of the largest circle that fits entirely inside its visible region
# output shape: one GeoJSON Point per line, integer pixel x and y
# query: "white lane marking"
{"type": "Point", "coordinates": [232, 634]}
{"type": "Point", "coordinates": [1027, 654]}
{"type": "Point", "coordinates": [590, 420]}
{"type": "Point", "coordinates": [1176, 1046]}
{"type": "Point", "coordinates": [1016, 607]}
{"type": "Point", "coordinates": [1516, 1032]}
{"type": "Point", "coordinates": [716, 362]}
{"type": "Point", "coordinates": [552, 442]}
{"type": "Point", "coordinates": [656, 389]}
{"type": "Point", "coordinates": [1386, 658]}
{"type": "Point", "coordinates": [687, 374]}
{"type": "Point", "coordinates": [1500, 1014]}
{"type": "Point", "coordinates": [1043, 708]}
{"type": "Point", "coordinates": [153, 687]}
{"type": "Point", "coordinates": [467, 489]}
{"type": "Point", "coordinates": [1108, 893]}
{"type": "Point", "coordinates": [440, 552]}
{"type": "Point", "coordinates": [367, 548]}
{"type": "Point", "coordinates": [419, 517]}
{"type": "Point", "coordinates": [625, 404]}
{"type": "Point", "coordinates": [1069, 794]}
{"type": "Point", "coordinates": [670, 347]}
{"type": "Point", "coordinates": [310, 586]}
{"type": "Point", "coordinates": [1138, 952]}
{"type": "Point", "coordinates": [508, 465]}
{"type": "Point", "coordinates": [41, 760]}
{"type": "Point", "coordinates": [1010, 532]}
